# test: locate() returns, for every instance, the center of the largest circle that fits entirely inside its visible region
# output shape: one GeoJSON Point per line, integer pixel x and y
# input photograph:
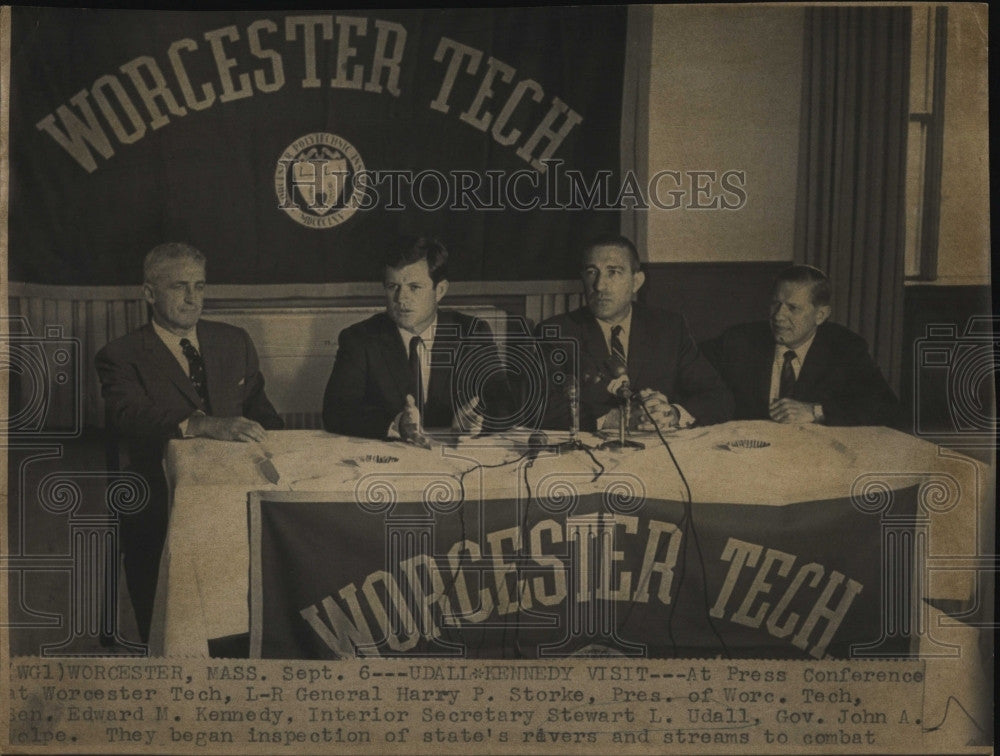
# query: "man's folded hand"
{"type": "Point", "coordinates": [226, 428]}
{"type": "Point", "coordinates": [789, 410]}
{"type": "Point", "coordinates": [659, 407]}
{"type": "Point", "coordinates": [468, 419]}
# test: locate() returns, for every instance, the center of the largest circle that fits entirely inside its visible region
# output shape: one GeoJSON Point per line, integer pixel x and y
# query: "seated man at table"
{"type": "Point", "coordinates": [798, 367]}
{"type": "Point", "coordinates": [176, 377]}
{"type": "Point", "coordinates": [416, 366]}
{"type": "Point", "coordinates": [618, 340]}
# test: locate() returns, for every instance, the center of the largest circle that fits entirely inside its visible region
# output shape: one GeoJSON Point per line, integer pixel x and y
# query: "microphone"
{"type": "Point", "coordinates": [621, 388]}
{"type": "Point", "coordinates": [614, 377]}
{"type": "Point", "coordinates": [620, 385]}
{"type": "Point", "coordinates": [537, 443]}
{"type": "Point", "coordinates": [573, 395]}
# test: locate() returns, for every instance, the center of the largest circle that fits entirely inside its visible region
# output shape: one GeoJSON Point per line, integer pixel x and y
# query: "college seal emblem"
{"type": "Point", "coordinates": [319, 180]}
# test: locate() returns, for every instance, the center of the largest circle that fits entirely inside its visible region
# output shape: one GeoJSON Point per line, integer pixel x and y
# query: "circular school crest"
{"type": "Point", "coordinates": [319, 180]}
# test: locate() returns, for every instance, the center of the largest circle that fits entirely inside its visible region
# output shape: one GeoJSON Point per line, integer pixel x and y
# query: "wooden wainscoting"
{"type": "Point", "coordinates": [90, 317]}
{"type": "Point", "coordinates": [297, 346]}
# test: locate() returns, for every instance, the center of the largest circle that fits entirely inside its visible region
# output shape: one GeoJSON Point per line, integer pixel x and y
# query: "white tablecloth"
{"type": "Point", "coordinates": [204, 571]}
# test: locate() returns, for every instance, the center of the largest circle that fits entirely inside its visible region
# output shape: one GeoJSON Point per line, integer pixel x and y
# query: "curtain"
{"type": "Point", "coordinates": [852, 167]}
{"type": "Point", "coordinates": [635, 116]}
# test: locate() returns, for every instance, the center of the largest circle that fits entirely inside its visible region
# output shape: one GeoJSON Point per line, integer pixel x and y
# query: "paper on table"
{"type": "Point", "coordinates": [265, 465]}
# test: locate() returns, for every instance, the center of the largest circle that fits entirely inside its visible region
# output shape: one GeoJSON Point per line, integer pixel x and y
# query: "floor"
{"type": "Point", "coordinates": [58, 528]}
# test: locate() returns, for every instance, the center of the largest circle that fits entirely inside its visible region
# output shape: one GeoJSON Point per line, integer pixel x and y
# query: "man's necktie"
{"type": "Point", "coordinates": [617, 350]}
{"type": "Point", "coordinates": [196, 371]}
{"type": "Point", "coordinates": [415, 370]}
{"type": "Point", "coordinates": [787, 376]}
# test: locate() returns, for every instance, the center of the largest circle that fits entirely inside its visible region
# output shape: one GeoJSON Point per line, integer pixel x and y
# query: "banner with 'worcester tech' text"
{"type": "Point", "coordinates": [293, 147]}
{"type": "Point", "coordinates": [598, 574]}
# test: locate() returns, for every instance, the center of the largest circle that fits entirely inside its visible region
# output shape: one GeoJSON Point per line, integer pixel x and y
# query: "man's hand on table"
{"type": "Point", "coordinates": [225, 428]}
{"type": "Point", "coordinates": [792, 411]}
{"type": "Point", "coordinates": [407, 423]}
{"type": "Point", "coordinates": [663, 412]}
{"type": "Point", "coordinates": [468, 419]}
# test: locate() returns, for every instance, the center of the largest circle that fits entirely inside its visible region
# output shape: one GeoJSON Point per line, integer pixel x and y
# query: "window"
{"type": "Point", "coordinates": [925, 140]}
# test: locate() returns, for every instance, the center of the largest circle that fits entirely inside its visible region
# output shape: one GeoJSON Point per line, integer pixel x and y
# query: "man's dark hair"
{"type": "Point", "coordinates": [821, 291]}
{"type": "Point", "coordinates": [612, 240]}
{"type": "Point", "coordinates": [411, 249]}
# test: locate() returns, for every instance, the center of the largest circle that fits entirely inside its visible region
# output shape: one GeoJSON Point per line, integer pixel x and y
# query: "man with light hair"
{"type": "Point", "coordinates": [798, 367]}
{"type": "Point", "coordinates": [178, 376]}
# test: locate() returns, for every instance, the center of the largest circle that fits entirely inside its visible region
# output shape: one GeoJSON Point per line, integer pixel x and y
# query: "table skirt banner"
{"type": "Point", "coordinates": [558, 573]}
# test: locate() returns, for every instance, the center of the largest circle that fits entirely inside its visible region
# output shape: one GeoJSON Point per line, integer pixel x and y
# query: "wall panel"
{"type": "Point", "coordinates": [92, 316]}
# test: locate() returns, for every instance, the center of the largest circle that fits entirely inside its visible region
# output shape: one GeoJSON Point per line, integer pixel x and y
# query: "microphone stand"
{"type": "Point", "coordinates": [622, 443]}
{"type": "Point", "coordinates": [573, 443]}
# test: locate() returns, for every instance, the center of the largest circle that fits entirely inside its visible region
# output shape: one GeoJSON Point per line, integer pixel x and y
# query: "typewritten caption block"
{"type": "Point", "coordinates": [435, 705]}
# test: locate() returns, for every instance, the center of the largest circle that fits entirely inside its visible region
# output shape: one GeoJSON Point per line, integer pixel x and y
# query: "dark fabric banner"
{"type": "Point", "coordinates": [597, 575]}
{"type": "Point", "coordinates": [291, 147]}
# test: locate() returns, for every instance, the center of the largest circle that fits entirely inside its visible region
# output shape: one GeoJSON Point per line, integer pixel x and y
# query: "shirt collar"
{"type": "Point", "coordinates": [800, 351]}
{"type": "Point", "coordinates": [427, 335]}
{"type": "Point", "coordinates": [172, 339]}
{"type": "Point", "coordinates": [625, 323]}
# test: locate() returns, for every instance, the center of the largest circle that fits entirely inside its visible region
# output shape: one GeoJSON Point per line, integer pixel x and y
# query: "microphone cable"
{"type": "Point", "coordinates": [688, 520]}
{"type": "Point", "coordinates": [534, 450]}
{"type": "Point", "coordinates": [597, 463]}
{"type": "Point", "coordinates": [537, 443]}
{"type": "Point", "coordinates": [452, 574]}
{"type": "Point", "coordinates": [683, 525]}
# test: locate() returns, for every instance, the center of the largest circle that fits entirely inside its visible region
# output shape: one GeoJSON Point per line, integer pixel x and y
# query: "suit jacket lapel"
{"type": "Point", "coordinates": [446, 336]}
{"type": "Point", "coordinates": [595, 348]}
{"type": "Point", "coordinates": [213, 352]}
{"type": "Point", "coordinates": [815, 364]}
{"type": "Point", "coordinates": [760, 371]}
{"type": "Point", "coordinates": [166, 364]}
{"type": "Point", "coordinates": [640, 345]}
{"type": "Point", "coordinates": [396, 356]}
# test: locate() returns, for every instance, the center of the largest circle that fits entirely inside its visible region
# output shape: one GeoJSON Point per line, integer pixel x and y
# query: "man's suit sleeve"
{"type": "Point", "coordinates": [497, 397]}
{"type": "Point", "coordinates": [538, 394]}
{"type": "Point", "coordinates": [256, 405]}
{"type": "Point", "coordinates": [549, 396]}
{"type": "Point", "coordinates": [861, 396]}
{"type": "Point", "coordinates": [701, 391]}
{"type": "Point", "coordinates": [713, 350]}
{"type": "Point", "coordinates": [130, 409]}
{"type": "Point", "coordinates": [346, 409]}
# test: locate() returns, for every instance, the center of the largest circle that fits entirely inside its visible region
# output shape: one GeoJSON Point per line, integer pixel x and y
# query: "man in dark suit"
{"type": "Point", "coordinates": [799, 367]}
{"type": "Point", "coordinates": [176, 377]}
{"type": "Point", "coordinates": [416, 365]}
{"type": "Point", "coordinates": [652, 347]}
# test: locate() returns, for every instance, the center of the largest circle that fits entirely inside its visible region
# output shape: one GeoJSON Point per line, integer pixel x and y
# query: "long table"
{"type": "Point", "coordinates": [750, 472]}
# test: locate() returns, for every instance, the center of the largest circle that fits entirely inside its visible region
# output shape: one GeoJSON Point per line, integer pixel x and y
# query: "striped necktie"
{"type": "Point", "coordinates": [617, 350]}
{"type": "Point", "coordinates": [196, 371]}
{"type": "Point", "coordinates": [787, 382]}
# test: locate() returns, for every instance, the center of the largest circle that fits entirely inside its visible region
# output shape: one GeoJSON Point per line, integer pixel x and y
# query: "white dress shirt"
{"type": "Point", "coordinates": [684, 417]}
{"type": "Point", "coordinates": [625, 323]}
{"type": "Point", "coordinates": [173, 343]}
{"type": "Point", "coordinates": [779, 362]}
{"type": "Point", "coordinates": [424, 351]}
